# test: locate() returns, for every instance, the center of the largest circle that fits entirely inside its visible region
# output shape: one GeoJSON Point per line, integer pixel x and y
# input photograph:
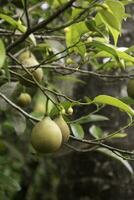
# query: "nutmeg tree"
{"type": "Point", "coordinates": [46, 47]}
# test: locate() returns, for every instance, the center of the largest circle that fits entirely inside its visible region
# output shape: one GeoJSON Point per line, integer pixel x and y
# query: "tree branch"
{"type": "Point", "coordinates": [42, 24]}
{"type": "Point", "coordinates": [18, 108]}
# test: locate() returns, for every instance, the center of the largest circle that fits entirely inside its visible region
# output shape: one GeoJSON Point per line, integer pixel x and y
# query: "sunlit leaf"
{"type": "Point", "coordinates": [110, 19]}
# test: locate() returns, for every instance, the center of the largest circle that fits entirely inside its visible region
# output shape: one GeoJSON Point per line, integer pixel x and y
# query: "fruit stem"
{"type": "Point", "coordinates": [47, 100]}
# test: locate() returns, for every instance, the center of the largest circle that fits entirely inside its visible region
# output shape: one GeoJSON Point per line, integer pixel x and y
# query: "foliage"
{"type": "Point", "coordinates": [68, 38]}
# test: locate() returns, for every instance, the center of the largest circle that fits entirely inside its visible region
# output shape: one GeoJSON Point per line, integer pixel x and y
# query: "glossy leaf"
{"type": "Point", "coordinates": [90, 118]}
{"type": "Point", "coordinates": [109, 18]}
{"type": "Point", "coordinates": [109, 100]}
{"type": "Point", "coordinates": [96, 132]}
{"type": "Point", "coordinates": [73, 35]}
{"type": "Point", "coordinates": [77, 130]}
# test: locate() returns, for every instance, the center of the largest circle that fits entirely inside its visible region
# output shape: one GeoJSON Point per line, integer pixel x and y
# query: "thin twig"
{"type": "Point", "coordinates": [26, 14]}
{"type": "Point", "coordinates": [41, 25]}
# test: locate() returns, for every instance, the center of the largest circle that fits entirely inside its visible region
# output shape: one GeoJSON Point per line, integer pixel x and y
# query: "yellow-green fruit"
{"type": "Point", "coordinates": [28, 60]}
{"type": "Point", "coordinates": [38, 74]}
{"type": "Point", "coordinates": [130, 88]}
{"type": "Point", "coordinates": [46, 136]}
{"type": "Point", "coordinates": [69, 61]}
{"type": "Point", "coordinates": [70, 111]}
{"type": "Point", "coordinates": [24, 99]}
{"type": "Point", "coordinates": [63, 127]}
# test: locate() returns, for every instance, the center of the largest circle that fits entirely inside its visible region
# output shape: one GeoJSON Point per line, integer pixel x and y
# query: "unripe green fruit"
{"type": "Point", "coordinates": [46, 136]}
{"type": "Point", "coordinates": [130, 88]}
{"type": "Point", "coordinates": [70, 111]}
{"type": "Point", "coordinates": [24, 99]}
{"type": "Point", "coordinates": [63, 127]}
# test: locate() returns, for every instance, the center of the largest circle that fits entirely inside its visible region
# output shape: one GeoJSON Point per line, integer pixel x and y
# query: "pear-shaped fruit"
{"type": "Point", "coordinates": [130, 88]}
{"type": "Point", "coordinates": [24, 99]}
{"type": "Point", "coordinates": [63, 127]}
{"type": "Point", "coordinates": [46, 136]}
{"type": "Point", "coordinates": [38, 74]}
{"type": "Point", "coordinates": [70, 111]}
{"type": "Point", "coordinates": [28, 60]}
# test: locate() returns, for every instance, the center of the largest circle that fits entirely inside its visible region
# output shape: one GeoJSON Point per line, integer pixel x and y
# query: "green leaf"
{"type": "Point", "coordinates": [77, 130]}
{"type": "Point", "coordinates": [109, 18]}
{"type": "Point", "coordinates": [56, 47]}
{"type": "Point", "coordinates": [106, 47]}
{"type": "Point", "coordinates": [117, 9]}
{"type": "Point", "coordinates": [20, 126]}
{"type": "Point", "coordinates": [119, 135]}
{"type": "Point", "coordinates": [73, 35]}
{"type": "Point", "coordinates": [90, 118]}
{"type": "Point", "coordinates": [125, 56]}
{"type": "Point", "coordinates": [96, 132]}
{"type": "Point", "coordinates": [116, 157]}
{"type": "Point", "coordinates": [8, 183]}
{"type": "Point", "coordinates": [110, 51]}
{"type": "Point", "coordinates": [128, 100]}
{"type": "Point", "coordinates": [2, 53]}
{"type": "Point", "coordinates": [13, 22]}
{"type": "Point", "coordinates": [18, 25]}
{"type": "Point", "coordinates": [7, 89]}
{"type": "Point", "coordinates": [109, 100]}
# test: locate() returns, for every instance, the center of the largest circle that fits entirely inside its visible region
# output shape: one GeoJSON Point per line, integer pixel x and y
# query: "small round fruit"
{"type": "Point", "coordinates": [24, 99]}
{"type": "Point", "coordinates": [69, 61]}
{"type": "Point", "coordinates": [130, 88]}
{"type": "Point", "coordinates": [63, 112]}
{"type": "Point", "coordinates": [70, 111]}
{"type": "Point", "coordinates": [46, 136]}
{"type": "Point", "coordinates": [63, 127]}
